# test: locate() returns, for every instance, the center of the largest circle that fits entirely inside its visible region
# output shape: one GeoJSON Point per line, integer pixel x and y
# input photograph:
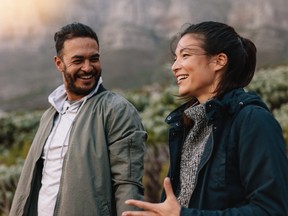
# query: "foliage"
{"type": "Point", "coordinates": [8, 181]}
{"type": "Point", "coordinates": [282, 115]}
{"type": "Point", "coordinates": [271, 84]}
{"type": "Point", "coordinates": [16, 133]}
{"type": "Point", "coordinates": [159, 102]}
{"type": "Point", "coordinates": [154, 103]}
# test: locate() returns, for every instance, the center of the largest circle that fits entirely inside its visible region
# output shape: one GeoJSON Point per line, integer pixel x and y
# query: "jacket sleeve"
{"type": "Point", "coordinates": [263, 167]}
{"type": "Point", "coordinates": [127, 139]}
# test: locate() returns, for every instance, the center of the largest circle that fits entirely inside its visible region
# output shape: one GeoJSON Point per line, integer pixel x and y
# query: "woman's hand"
{"type": "Point", "coordinates": [170, 207]}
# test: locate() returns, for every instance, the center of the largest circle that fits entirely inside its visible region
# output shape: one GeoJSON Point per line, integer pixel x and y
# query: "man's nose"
{"type": "Point", "coordinates": [87, 66]}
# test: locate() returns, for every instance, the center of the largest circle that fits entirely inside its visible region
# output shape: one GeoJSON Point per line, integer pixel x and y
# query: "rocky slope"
{"type": "Point", "coordinates": [134, 37]}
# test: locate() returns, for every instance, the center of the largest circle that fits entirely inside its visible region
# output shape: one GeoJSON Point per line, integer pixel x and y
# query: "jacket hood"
{"type": "Point", "coordinates": [236, 99]}
{"type": "Point", "coordinates": [232, 102]}
{"type": "Point", "coordinates": [58, 97]}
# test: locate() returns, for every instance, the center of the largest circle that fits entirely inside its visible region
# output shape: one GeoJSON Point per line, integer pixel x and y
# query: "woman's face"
{"type": "Point", "coordinates": [193, 69]}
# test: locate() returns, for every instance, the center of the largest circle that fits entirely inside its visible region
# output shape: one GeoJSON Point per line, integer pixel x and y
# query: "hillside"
{"type": "Point", "coordinates": [134, 39]}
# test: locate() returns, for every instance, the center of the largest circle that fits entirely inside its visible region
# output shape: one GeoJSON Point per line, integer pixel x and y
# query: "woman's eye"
{"type": "Point", "coordinates": [185, 55]}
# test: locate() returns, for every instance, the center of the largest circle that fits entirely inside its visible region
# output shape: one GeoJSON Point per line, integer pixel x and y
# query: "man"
{"type": "Point", "coordinates": [87, 155]}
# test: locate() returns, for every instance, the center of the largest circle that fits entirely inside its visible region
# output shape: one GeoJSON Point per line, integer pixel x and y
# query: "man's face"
{"type": "Point", "coordinates": [80, 66]}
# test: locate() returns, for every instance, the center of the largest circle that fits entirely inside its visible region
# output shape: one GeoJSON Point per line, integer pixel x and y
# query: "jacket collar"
{"type": "Point", "coordinates": [58, 97]}
{"type": "Point", "coordinates": [230, 103]}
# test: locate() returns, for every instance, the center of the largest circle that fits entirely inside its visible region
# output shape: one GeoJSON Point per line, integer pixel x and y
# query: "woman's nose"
{"type": "Point", "coordinates": [176, 65]}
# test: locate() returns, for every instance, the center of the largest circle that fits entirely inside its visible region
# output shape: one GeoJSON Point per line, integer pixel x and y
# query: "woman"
{"type": "Point", "coordinates": [227, 152]}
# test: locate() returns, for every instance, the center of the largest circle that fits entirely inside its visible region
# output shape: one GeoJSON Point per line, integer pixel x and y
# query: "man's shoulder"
{"type": "Point", "coordinates": [108, 95]}
{"type": "Point", "coordinates": [111, 99]}
{"type": "Point", "coordinates": [48, 112]}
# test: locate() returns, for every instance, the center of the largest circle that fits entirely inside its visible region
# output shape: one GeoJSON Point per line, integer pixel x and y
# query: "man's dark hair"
{"type": "Point", "coordinates": [70, 31]}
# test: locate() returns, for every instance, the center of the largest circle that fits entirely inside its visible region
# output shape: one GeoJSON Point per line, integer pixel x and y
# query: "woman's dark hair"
{"type": "Point", "coordinates": [70, 31]}
{"type": "Point", "coordinates": [221, 38]}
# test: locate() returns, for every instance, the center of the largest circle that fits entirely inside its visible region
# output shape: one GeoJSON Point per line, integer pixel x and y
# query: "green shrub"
{"type": "Point", "coordinates": [8, 181]}
{"type": "Point", "coordinates": [16, 133]}
{"type": "Point", "coordinates": [271, 85]}
{"type": "Point", "coordinates": [154, 103]}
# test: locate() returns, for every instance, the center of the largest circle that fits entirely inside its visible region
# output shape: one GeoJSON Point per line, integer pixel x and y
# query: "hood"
{"type": "Point", "coordinates": [232, 102]}
{"type": "Point", "coordinates": [58, 97]}
{"type": "Point", "coordinates": [238, 98]}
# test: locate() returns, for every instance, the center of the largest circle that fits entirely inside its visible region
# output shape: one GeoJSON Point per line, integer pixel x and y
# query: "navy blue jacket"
{"type": "Point", "coordinates": [244, 168]}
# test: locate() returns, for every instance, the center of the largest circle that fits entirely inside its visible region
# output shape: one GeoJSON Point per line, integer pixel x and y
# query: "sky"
{"type": "Point", "coordinates": [20, 17]}
{"type": "Point", "coordinates": [24, 22]}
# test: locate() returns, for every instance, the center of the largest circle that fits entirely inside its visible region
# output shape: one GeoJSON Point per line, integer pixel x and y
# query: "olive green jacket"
{"type": "Point", "coordinates": [103, 166]}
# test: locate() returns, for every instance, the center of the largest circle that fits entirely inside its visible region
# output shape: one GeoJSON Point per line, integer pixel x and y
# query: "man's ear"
{"type": "Point", "coordinates": [221, 61]}
{"type": "Point", "coordinates": [59, 63]}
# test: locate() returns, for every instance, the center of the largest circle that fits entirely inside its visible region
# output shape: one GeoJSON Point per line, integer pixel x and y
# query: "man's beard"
{"type": "Point", "coordinates": [71, 87]}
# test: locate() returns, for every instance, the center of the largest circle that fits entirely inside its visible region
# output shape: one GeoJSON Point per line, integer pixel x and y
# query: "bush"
{"type": "Point", "coordinates": [16, 133]}
{"type": "Point", "coordinates": [154, 103]}
{"type": "Point", "coordinates": [271, 85]}
{"type": "Point", "coordinates": [8, 181]}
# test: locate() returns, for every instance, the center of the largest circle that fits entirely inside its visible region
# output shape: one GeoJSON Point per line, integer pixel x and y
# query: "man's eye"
{"type": "Point", "coordinates": [77, 61]}
{"type": "Point", "coordinates": [94, 59]}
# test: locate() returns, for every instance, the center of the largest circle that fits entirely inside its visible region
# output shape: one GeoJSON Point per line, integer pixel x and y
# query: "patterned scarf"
{"type": "Point", "coordinates": [192, 151]}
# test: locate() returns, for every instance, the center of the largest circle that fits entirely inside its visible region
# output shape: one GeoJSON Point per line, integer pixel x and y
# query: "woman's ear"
{"type": "Point", "coordinates": [58, 63]}
{"type": "Point", "coordinates": [221, 61]}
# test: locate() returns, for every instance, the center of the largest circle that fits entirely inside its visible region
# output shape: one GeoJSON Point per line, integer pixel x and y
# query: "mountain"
{"type": "Point", "coordinates": [134, 39]}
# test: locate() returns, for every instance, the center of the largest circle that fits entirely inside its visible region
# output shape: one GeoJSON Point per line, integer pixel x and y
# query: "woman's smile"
{"type": "Point", "coordinates": [181, 77]}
